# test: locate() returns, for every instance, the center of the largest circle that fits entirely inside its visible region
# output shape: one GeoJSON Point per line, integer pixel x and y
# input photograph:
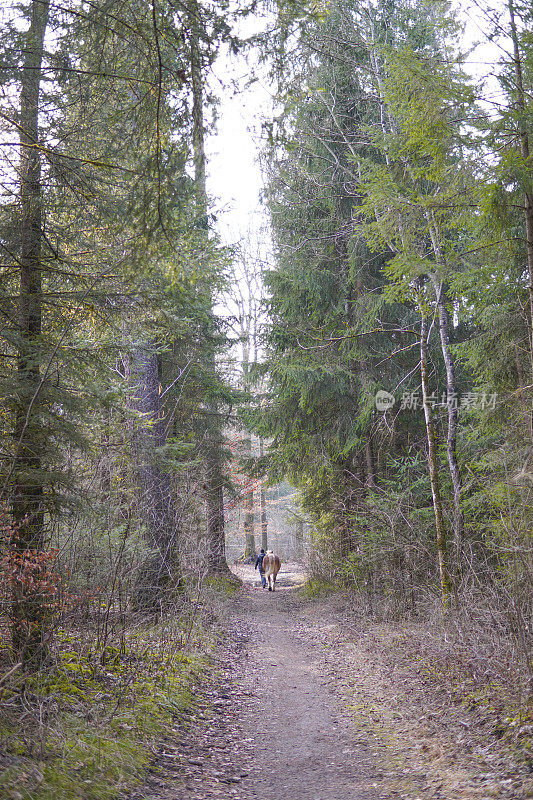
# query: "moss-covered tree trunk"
{"type": "Point", "coordinates": [155, 507]}
{"type": "Point", "coordinates": [29, 629]}
{"type": "Point", "coordinates": [213, 438]}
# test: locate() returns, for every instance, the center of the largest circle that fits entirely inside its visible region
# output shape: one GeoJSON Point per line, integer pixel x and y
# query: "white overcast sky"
{"type": "Point", "coordinates": [234, 176]}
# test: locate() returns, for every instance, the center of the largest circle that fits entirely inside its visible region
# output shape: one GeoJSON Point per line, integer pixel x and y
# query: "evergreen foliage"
{"type": "Point", "coordinates": [106, 375]}
{"type": "Point", "coordinates": [394, 227]}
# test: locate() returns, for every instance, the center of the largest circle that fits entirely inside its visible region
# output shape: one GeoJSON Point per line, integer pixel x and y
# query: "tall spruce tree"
{"type": "Point", "coordinates": [107, 255]}
{"type": "Point", "coordinates": [213, 445]}
{"type": "Point", "coordinates": [345, 159]}
{"type": "Point", "coordinates": [28, 612]}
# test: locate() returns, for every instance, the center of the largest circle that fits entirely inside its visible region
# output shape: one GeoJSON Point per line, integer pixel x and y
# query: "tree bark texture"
{"type": "Point", "coordinates": [445, 582]}
{"type": "Point", "coordinates": [155, 501]}
{"type": "Point", "coordinates": [29, 630]}
{"type": "Point", "coordinates": [525, 151]}
{"type": "Point", "coordinates": [213, 442]}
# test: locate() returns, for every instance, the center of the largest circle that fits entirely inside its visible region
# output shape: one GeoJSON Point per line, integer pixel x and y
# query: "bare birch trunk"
{"type": "Point", "coordinates": [445, 582]}
{"type": "Point", "coordinates": [451, 388]}
{"type": "Point", "coordinates": [453, 423]}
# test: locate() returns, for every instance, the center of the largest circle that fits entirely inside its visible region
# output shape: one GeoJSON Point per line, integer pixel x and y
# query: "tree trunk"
{"type": "Point", "coordinates": [155, 506]}
{"type": "Point", "coordinates": [445, 582]}
{"type": "Point", "coordinates": [29, 628]}
{"type": "Point", "coordinates": [214, 493]}
{"type": "Point", "coordinates": [249, 515]}
{"type": "Point", "coordinates": [198, 136]}
{"type": "Point", "coordinates": [451, 389]}
{"type": "Point", "coordinates": [369, 455]}
{"type": "Point", "coordinates": [444, 329]}
{"type": "Point", "coordinates": [453, 422]}
{"type": "Point", "coordinates": [524, 148]}
{"type": "Point", "coordinates": [264, 521]}
{"type": "Point", "coordinates": [214, 478]}
{"type": "Point", "coordinates": [299, 537]}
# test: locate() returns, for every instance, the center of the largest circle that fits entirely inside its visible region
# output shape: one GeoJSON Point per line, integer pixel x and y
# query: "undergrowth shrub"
{"type": "Point", "coordinates": [85, 727]}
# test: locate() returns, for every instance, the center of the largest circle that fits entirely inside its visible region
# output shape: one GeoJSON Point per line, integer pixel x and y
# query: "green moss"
{"type": "Point", "coordinates": [316, 587]}
{"type": "Point", "coordinates": [109, 710]}
{"type": "Point", "coordinates": [228, 585]}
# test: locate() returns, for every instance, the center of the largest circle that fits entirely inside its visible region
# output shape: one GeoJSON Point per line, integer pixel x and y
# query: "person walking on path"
{"type": "Point", "coordinates": [259, 563]}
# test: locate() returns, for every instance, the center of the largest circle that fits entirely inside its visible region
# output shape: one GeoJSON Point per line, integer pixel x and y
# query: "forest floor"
{"type": "Point", "coordinates": [305, 706]}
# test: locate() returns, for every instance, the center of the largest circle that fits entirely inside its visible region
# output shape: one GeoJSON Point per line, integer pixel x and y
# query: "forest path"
{"type": "Point", "coordinates": [304, 746]}
{"type": "Point", "coordinates": [302, 707]}
{"type": "Point", "coordinates": [268, 725]}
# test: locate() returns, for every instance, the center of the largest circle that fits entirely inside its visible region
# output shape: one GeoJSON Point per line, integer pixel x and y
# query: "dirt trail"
{"type": "Point", "coordinates": [299, 710]}
{"type": "Point", "coordinates": [302, 739]}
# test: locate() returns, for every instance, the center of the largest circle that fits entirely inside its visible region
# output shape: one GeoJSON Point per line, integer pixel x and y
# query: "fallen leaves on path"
{"type": "Point", "coordinates": [405, 737]}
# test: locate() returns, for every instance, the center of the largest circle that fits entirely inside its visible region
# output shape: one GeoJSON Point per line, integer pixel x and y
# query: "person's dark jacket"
{"type": "Point", "coordinates": [259, 561]}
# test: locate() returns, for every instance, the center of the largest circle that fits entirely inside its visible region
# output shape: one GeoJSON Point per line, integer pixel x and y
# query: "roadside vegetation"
{"type": "Point", "coordinates": [89, 724]}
